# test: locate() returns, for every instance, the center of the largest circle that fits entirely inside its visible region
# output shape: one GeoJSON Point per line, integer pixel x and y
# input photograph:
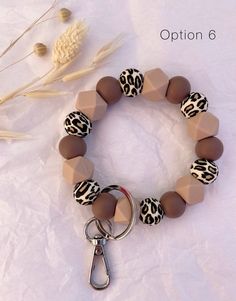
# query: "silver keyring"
{"type": "Point", "coordinates": [89, 222]}
{"type": "Point", "coordinates": [132, 219]}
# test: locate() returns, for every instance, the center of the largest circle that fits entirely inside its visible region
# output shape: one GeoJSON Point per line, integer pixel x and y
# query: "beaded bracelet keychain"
{"type": "Point", "coordinates": [91, 106]}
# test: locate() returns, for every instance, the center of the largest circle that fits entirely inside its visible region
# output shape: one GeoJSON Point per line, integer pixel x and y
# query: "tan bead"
{"type": "Point", "coordinates": [123, 211]}
{"type": "Point", "coordinates": [72, 146]}
{"type": "Point", "coordinates": [190, 189]}
{"type": "Point", "coordinates": [77, 170]}
{"type": "Point", "coordinates": [155, 84]}
{"type": "Point", "coordinates": [91, 104]}
{"type": "Point", "coordinates": [109, 89]}
{"type": "Point", "coordinates": [172, 204]}
{"type": "Point", "coordinates": [179, 88]}
{"type": "Point", "coordinates": [104, 206]}
{"type": "Point", "coordinates": [209, 148]}
{"type": "Point", "coordinates": [203, 125]}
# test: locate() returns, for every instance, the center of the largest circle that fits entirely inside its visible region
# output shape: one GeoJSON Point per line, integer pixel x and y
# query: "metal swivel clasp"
{"type": "Point", "coordinates": [99, 254]}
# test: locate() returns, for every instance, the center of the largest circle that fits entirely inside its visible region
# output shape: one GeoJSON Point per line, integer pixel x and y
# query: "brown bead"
{"type": "Point", "coordinates": [172, 204]}
{"type": "Point", "coordinates": [104, 206]}
{"type": "Point", "coordinates": [179, 88]}
{"type": "Point", "coordinates": [72, 146]}
{"type": "Point", "coordinates": [109, 89]}
{"type": "Point", "coordinates": [209, 148]}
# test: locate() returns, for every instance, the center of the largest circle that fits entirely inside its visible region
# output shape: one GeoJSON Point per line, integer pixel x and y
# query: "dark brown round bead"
{"type": "Point", "coordinates": [72, 146]}
{"type": "Point", "coordinates": [209, 148]}
{"type": "Point", "coordinates": [179, 88]}
{"type": "Point", "coordinates": [109, 89]}
{"type": "Point", "coordinates": [104, 206]}
{"type": "Point", "coordinates": [172, 204]}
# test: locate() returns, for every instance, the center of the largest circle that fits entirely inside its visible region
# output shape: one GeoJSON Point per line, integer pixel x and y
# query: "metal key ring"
{"type": "Point", "coordinates": [90, 221]}
{"type": "Point", "coordinates": [132, 219]}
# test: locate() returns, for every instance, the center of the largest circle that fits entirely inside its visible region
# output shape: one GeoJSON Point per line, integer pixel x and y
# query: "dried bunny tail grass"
{"type": "Point", "coordinates": [99, 57]}
{"type": "Point", "coordinates": [7, 135]}
{"type": "Point", "coordinates": [67, 46]}
{"type": "Point", "coordinates": [28, 28]}
{"type": "Point", "coordinates": [44, 93]}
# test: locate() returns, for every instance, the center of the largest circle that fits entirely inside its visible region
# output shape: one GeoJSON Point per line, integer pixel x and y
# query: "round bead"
{"type": "Point", "coordinates": [77, 124]}
{"type": "Point", "coordinates": [86, 192]}
{"type": "Point", "coordinates": [151, 211]}
{"type": "Point", "coordinates": [109, 89]}
{"type": "Point", "coordinates": [209, 148]}
{"type": "Point", "coordinates": [194, 104]}
{"type": "Point", "coordinates": [179, 88]}
{"type": "Point", "coordinates": [104, 206]}
{"type": "Point", "coordinates": [131, 82]}
{"type": "Point", "coordinates": [204, 170]}
{"type": "Point", "coordinates": [172, 204]}
{"type": "Point", "coordinates": [72, 146]}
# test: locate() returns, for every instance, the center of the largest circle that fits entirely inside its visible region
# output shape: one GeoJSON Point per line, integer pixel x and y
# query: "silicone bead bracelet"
{"type": "Point", "coordinates": [91, 106]}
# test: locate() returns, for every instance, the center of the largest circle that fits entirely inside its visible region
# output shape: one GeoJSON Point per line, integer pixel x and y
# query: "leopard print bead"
{"type": "Point", "coordinates": [77, 124]}
{"type": "Point", "coordinates": [194, 104]}
{"type": "Point", "coordinates": [204, 170]}
{"type": "Point", "coordinates": [151, 212]}
{"type": "Point", "coordinates": [86, 192]}
{"type": "Point", "coordinates": [131, 82]}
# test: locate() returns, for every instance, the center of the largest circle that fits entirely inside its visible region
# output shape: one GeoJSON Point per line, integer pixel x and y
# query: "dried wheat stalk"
{"type": "Point", "coordinates": [7, 135]}
{"type": "Point", "coordinates": [44, 93]}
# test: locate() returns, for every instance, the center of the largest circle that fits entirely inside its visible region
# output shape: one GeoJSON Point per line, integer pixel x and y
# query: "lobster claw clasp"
{"type": "Point", "coordinates": [99, 242]}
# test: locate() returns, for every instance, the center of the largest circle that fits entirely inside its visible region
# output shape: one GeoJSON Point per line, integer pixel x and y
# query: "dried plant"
{"type": "Point", "coordinates": [99, 57]}
{"type": "Point", "coordinates": [65, 50]}
{"type": "Point", "coordinates": [44, 93]}
{"type": "Point", "coordinates": [39, 49]}
{"type": "Point", "coordinates": [37, 21]}
{"type": "Point", "coordinates": [7, 135]}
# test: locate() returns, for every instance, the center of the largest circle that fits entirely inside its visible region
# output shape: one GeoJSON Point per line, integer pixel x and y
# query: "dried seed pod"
{"type": "Point", "coordinates": [40, 49]}
{"type": "Point", "coordinates": [64, 14]}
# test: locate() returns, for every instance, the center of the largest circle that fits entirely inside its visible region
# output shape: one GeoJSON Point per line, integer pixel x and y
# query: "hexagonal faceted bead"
{"type": "Point", "coordinates": [78, 169]}
{"type": "Point", "coordinates": [91, 104]}
{"type": "Point", "coordinates": [123, 211]}
{"type": "Point", "coordinates": [155, 84]}
{"type": "Point", "coordinates": [203, 125]}
{"type": "Point", "coordinates": [190, 189]}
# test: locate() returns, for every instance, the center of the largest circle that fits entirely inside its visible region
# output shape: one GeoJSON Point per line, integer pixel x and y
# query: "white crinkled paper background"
{"type": "Point", "coordinates": [139, 144]}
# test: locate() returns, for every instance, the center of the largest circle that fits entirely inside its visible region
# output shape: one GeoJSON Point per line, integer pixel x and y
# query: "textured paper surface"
{"type": "Point", "coordinates": [139, 144]}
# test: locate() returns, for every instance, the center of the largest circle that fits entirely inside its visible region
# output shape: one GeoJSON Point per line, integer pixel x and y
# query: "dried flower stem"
{"type": "Point", "coordinates": [18, 61]}
{"type": "Point", "coordinates": [44, 93]}
{"type": "Point", "coordinates": [22, 88]}
{"type": "Point", "coordinates": [28, 28]}
{"type": "Point", "coordinates": [7, 135]}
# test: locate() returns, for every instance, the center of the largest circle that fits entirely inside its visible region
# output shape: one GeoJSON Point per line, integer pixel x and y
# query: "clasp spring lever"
{"type": "Point", "coordinates": [99, 242]}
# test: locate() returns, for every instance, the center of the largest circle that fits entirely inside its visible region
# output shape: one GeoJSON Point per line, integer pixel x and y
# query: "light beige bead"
{"type": "Point", "coordinates": [78, 169]}
{"type": "Point", "coordinates": [190, 189]}
{"type": "Point", "coordinates": [123, 211]}
{"type": "Point", "coordinates": [155, 84]}
{"type": "Point", "coordinates": [91, 104]}
{"type": "Point", "coordinates": [203, 125]}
